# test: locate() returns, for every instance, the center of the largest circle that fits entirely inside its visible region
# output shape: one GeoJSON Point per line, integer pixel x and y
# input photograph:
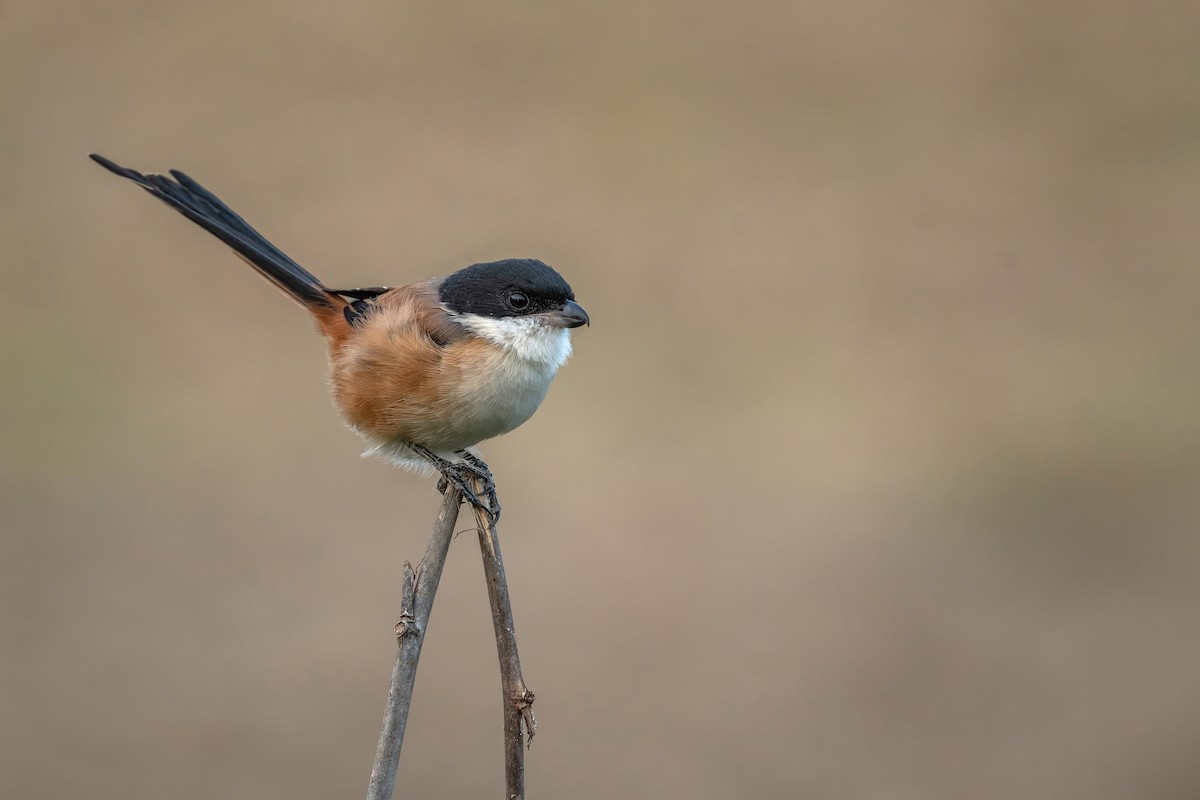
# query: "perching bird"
{"type": "Point", "coordinates": [423, 372]}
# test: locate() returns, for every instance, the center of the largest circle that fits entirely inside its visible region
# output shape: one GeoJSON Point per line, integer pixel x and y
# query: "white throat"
{"type": "Point", "coordinates": [527, 338]}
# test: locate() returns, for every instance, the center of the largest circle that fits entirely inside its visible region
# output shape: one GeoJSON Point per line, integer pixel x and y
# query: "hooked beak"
{"type": "Point", "coordinates": [571, 315]}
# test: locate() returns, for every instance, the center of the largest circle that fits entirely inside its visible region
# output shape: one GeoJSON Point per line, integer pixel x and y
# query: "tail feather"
{"type": "Point", "coordinates": [201, 206]}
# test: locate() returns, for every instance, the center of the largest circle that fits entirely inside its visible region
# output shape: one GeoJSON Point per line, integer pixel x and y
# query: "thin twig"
{"type": "Point", "coordinates": [420, 587]}
{"type": "Point", "coordinates": [518, 700]}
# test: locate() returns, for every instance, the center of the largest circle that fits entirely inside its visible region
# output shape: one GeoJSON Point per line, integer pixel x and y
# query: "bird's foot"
{"type": "Point", "coordinates": [475, 467]}
{"type": "Point", "coordinates": [461, 475]}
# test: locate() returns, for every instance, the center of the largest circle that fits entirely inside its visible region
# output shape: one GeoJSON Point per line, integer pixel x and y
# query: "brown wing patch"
{"type": "Point", "coordinates": [388, 370]}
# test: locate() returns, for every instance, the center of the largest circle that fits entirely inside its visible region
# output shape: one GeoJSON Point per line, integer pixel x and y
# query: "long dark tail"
{"type": "Point", "coordinates": [206, 210]}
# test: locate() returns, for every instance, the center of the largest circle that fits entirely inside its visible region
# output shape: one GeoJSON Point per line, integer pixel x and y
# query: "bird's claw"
{"type": "Point", "coordinates": [462, 475]}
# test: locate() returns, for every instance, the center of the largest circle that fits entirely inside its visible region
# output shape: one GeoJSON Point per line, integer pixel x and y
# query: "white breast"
{"type": "Point", "coordinates": [518, 376]}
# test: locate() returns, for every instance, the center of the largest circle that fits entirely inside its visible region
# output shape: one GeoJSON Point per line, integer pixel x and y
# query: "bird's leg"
{"type": "Point", "coordinates": [459, 474]}
{"type": "Point", "coordinates": [482, 471]}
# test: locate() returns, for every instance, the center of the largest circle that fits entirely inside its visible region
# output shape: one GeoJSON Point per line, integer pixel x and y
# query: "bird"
{"type": "Point", "coordinates": [426, 371]}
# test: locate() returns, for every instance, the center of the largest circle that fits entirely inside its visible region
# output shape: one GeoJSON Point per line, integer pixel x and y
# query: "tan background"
{"type": "Point", "coordinates": [875, 475]}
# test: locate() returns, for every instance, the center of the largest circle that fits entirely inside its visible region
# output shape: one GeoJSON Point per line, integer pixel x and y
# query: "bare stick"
{"type": "Point", "coordinates": [420, 586]}
{"type": "Point", "coordinates": [518, 700]}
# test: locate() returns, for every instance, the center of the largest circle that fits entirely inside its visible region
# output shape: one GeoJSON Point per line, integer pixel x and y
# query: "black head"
{"type": "Point", "coordinates": [514, 287]}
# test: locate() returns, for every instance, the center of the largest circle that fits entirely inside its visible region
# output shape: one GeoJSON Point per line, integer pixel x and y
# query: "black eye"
{"type": "Point", "coordinates": [518, 300]}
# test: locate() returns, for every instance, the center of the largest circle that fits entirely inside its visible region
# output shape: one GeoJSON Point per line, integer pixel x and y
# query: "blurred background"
{"type": "Point", "coordinates": [875, 475]}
